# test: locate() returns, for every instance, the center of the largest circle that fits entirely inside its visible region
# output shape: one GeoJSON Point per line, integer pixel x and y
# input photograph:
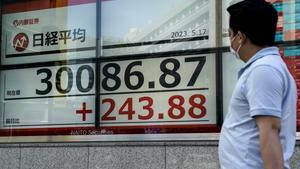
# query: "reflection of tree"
{"type": "Point", "coordinates": [112, 41]}
{"type": "Point", "coordinates": [108, 40]}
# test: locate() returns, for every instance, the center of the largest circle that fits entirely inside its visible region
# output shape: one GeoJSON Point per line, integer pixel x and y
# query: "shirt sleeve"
{"type": "Point", "coordinates": [264, 91]}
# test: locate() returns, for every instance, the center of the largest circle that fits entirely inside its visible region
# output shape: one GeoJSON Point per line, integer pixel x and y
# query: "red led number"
{"type": "Point", "coordinates": [197, 110]}
{"type": "Point", "coordinates": [197, 105]}
{"type": "Point", "coordinates": [177, 106]}
{"type": "Point", "coordinates": [149, 100]}
{"type": "Point", "coordinates": [111, 108]}
{"type": "Point", "coordinates": [130, 112]}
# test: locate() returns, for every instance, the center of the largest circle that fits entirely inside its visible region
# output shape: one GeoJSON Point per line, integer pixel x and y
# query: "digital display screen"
{"type": "Point", "coordinates": [49, 34]}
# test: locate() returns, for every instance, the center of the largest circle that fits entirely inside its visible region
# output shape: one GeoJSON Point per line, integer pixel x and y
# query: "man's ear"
{"type": "Point", "coordinates": [242, 37]}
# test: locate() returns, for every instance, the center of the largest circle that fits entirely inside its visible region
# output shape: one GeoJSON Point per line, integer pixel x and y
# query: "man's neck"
{"type": "Point", "coordinates": [249, 51]}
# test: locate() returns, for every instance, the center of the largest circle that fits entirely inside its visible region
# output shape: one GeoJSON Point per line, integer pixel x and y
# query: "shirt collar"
{"type": "Point", "coordinates": [260, 54]}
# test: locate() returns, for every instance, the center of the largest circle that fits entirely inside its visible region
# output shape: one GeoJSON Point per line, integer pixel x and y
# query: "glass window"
{"type": "Point", "coordinates": [108, 68]}
{"type": "Point", "coordinates": [172, 94]}
{"type": "Point", "coordinates": [231, 67]}
{"type": "Point", "coordinates": [42, 31]}
{"type": "Point", "coordinates": [150, 83]}
{"type": "Point", "coordinates": [48, 56]}
{"type": "Point", "coordinates": [126, 31]}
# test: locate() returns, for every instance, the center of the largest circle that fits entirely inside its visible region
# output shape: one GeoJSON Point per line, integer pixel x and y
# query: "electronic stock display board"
{"type": "Point", "coordinates": [140, 93]}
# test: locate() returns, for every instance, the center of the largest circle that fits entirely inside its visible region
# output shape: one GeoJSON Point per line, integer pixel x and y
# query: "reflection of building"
{"type": "Point", "coordinates": [188, 16]}
{"type": "Point", "coordinates": [189, 19]}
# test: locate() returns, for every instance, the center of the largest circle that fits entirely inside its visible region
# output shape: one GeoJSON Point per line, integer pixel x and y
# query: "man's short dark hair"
{"type": "Point", "coordinates": [257, 19]}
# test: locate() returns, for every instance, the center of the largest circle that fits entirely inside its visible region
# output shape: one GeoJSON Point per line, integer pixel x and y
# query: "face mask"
{"type": "Point", "coordinates": [235, 53]}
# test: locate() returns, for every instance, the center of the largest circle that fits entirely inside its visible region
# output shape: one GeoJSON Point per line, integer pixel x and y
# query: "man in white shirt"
{"type": "Point", "coordinates": [259, 130]}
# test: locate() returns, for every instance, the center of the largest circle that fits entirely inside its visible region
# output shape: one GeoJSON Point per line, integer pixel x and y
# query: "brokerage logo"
{"type": "Point", "coordinates": [20, 42]}
{"type": "Point", "coordinates": [24, 22]}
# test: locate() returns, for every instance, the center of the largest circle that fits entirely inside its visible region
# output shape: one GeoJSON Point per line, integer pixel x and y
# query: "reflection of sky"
{"type": "Point", "coordinates": [115, 14]}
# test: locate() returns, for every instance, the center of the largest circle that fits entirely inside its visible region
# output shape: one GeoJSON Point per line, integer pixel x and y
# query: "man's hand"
{"type": "Point", "coordinates": [270, 146]}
